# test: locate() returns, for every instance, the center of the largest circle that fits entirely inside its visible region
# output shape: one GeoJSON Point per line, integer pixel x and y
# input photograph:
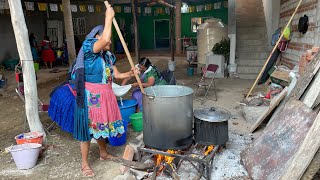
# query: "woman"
{"type": "Point", "coordinates": [96, 113]}
{"type": "Point", "coordinates": [34, 47]}
{"type": "Point", "coordinates": [47, 54]}
{"type": "Point", "coordinates": [150, 76]}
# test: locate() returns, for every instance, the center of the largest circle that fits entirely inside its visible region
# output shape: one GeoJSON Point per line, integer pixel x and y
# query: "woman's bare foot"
{"type": "Point", "coordinates": [105, 156]}
{"type": "Point", "coordinates": [87, 171]}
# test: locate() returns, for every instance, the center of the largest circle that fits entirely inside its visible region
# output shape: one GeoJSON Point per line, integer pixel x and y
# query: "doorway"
{"type": "Point", "coordinates": [162, 34]}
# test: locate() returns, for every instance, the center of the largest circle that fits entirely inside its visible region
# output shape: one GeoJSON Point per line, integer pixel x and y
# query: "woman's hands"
{"type": "Point", "coordinates": [134, 71]}
{"type": "Point", "coordinates": [109, 11]}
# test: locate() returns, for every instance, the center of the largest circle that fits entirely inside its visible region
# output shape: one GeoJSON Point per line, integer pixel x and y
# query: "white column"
{"type": "Point", "coordinates": [232, 35]}
{"type": "Point", "coordinates": [29, 76]}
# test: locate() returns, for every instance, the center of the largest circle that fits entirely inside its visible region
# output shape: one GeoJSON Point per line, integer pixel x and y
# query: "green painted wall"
{"type": "Point", "coordinates": [146, 25]}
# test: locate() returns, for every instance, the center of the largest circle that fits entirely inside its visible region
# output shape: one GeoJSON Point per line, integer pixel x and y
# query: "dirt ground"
{"type": "Point", "coordinates": [62, 158]}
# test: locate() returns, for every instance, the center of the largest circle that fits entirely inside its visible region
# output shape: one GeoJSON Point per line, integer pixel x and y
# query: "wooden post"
{"type": "Point", "coordinates": [172, 33]}
{"type": "Point", "coordinates": [69, 30]}
{"type": "Point", "coordinates": [135, 26]}
{"type": "Point", "coordinates": [178, 26]}
{"type": "Point", "coordinates": [29, 76]}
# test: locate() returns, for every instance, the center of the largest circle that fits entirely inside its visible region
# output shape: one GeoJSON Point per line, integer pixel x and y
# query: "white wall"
{"type": "Point", "coordinates": [272, 16]}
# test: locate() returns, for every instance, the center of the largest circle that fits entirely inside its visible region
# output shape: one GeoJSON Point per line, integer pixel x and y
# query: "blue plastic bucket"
{"type": "Point", "coordinates": [115, 141]}
{"type": "Point", "coordinates": [128, 108]}
{"type": "Point", "coordinates": [190, 71]}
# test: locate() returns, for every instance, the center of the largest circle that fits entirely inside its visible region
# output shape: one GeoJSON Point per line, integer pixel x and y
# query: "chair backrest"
{"type": "Point", "coordinates": [212, 68]}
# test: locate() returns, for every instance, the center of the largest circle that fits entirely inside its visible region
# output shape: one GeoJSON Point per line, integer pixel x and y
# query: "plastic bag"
{"type": "Point", "coordinates": [120, 91]}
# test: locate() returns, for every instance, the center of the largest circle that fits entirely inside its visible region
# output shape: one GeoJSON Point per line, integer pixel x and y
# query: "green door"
{"type": "Point", "coordinates": [161, 34]}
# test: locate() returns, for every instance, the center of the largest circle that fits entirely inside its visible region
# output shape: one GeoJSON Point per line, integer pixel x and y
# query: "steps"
{"type": "Point", "coordinates": [252, 45]}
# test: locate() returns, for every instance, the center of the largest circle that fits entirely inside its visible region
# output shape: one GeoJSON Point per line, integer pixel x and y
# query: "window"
{"type": "Point", "coordinates": [79, 26]}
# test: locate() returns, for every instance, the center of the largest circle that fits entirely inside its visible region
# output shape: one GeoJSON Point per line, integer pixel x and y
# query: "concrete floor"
{"type": "Point", "coordinates": [62, 159]}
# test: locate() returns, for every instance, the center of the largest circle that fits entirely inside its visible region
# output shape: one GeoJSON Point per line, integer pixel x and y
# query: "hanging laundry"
{"type": "Point", "coordinates": [225, 4]}
{"type": "Point", "coordinates": [4, 4]}
{"type": "Point", "coordinates": [208, 7]}
{"type": "Point", "coordinates": [53, 7]}
{"type": "Point", "coordinates": [117, 9]}
{"type": "Point", "coordinates": [29, 6]}
{"type": "Point", "coordinates": [127, 9]}
{"type": "Point", "coordinates": [61, 7]}
{"type": "Point", "coordinates": [199, 8]}
{"type": "Point", "coordinates": [192, 9]}
{"type": "Point", "coordinates": [82, 8]}
{"type": "Point", "coordinates": [42, 6]}
{"type": "Point", "coordinates": [74, 8]}
{"type": "Point", "coordinates": [147, 10]}
{"type": "Point", "coordinates": [98, 8]}
{"type": "Point", "coordinates": [90, 8]}
{"type": "Point", "coordinates": [167, 10]}
{"type": "Point", "coordinates": [217, 5]}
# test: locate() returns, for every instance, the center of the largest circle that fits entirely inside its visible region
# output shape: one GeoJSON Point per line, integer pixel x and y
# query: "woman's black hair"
{"type": "Point", "coordinates": [145, 62]}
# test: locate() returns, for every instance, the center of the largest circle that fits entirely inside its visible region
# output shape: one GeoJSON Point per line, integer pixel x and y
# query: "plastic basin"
{"type": "Point", "coordinates": [32, 137]}
{"type": "Point", "coordinates": [26, 155]}
{"type": "Point", "coordinates": [127, 108]}
{"type": "Point", "coordinates": [137, 122]}
{"type": "Point", "coordinates": [119, 141]}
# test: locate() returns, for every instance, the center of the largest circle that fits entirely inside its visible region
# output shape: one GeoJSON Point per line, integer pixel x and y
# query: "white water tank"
{"type": "Point", "coordinates": [209, 33]}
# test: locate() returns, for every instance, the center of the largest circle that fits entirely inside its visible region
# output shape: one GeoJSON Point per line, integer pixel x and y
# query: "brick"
{"type": "Point", "coordinates": [315, 50]}
{"type": "Point", "coordinates": [127, 155]}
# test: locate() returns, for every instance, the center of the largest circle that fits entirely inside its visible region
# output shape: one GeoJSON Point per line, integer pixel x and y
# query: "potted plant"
{"type": "Point", "coordinates": [223, 48]}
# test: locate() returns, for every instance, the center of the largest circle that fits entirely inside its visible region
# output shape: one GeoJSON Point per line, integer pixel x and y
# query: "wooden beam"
{"type": "Point", "coordinates": [69, 30]}
{"type": "Point", "coordinates": [303, 157]}
{"type": "Point", "coordinates": [136, 27]}
{"type": "Point", "coordinates": [172, 33]}
{"type": "Point", "coordinates": [29, 76]}
{"type": "Point", "coordinates": [178, 26]}
{"type": "Point", "coordinates": [313, 92]}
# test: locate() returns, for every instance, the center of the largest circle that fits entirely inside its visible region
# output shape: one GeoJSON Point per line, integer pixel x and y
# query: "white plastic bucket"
{"type": "Point", "coordinates": [25, 155]}
{"type": "Point", "coordinates": [171, 65]}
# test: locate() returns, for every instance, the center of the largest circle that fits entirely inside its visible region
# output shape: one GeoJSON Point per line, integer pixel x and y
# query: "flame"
{"type": "Point", "coordinates": [167, 159]}
{"type": "Point", "coordinates": [209, 149]}
{"type": "Point", "coordinates": [159, 159]}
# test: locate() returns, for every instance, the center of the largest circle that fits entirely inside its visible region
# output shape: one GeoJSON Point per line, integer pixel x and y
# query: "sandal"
{"type": "Point", "coordinates": [107, 158]}
{"type": "Point", "coordinates": [87, 171]}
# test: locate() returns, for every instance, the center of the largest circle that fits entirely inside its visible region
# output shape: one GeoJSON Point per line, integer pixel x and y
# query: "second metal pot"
{"type": "Point", "coordinates": [211, 126]}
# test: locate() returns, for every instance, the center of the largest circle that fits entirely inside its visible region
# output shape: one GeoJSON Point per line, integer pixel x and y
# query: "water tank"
{"type": "Point", "coordinates": [209, 33]}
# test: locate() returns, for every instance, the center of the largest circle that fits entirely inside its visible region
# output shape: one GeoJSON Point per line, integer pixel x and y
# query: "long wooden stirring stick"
{"type": "Point", "coordinates": [125, 48]}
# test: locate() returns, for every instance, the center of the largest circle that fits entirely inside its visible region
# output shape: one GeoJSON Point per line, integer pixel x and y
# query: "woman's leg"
{"type": "Point", "coordinates": [137, 95]}
{"type": "Point", "coordinates": [104, 155]}
{"type": "Point", "coordinates": [51, 65]}
{"type": "Point", "coordinates": [46, 64]}
{"type": "Point", "coordinates": [85, 167]}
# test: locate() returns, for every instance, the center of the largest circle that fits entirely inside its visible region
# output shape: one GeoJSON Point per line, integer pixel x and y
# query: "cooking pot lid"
{"type": "Point", "coordinates": [212, 114]}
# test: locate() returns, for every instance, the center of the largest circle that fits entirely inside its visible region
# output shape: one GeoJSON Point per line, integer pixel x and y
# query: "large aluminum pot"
{"type": "Point", "coordinates": [168, 117]}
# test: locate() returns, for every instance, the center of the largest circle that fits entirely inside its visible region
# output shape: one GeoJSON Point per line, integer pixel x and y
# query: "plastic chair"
{"type": "Point", "coordinates": [208, 82]}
